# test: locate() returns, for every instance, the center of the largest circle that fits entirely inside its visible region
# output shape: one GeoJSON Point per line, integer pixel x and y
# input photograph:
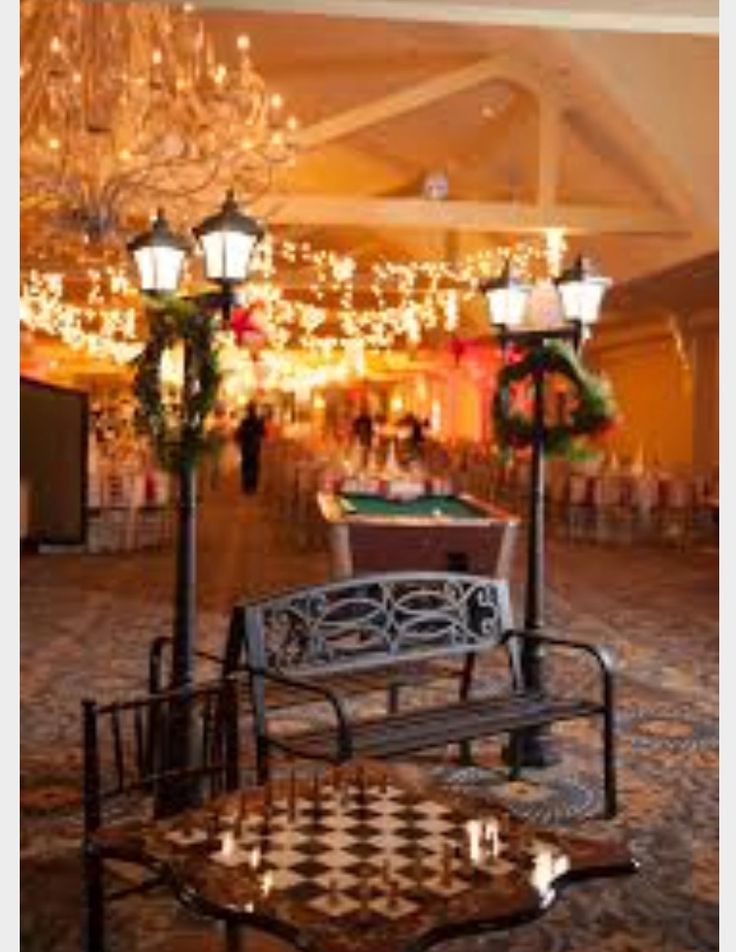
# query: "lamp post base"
{"type": "Point", "coordinates": [536, 745]}
{"type": "Point", "coordinates": [536, 748]}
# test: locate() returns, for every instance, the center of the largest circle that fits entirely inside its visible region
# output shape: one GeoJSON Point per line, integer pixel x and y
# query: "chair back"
{"type": "Point", "coordinates": [362, 622]}
{"type": "Point", "coordinates": [166, 747]}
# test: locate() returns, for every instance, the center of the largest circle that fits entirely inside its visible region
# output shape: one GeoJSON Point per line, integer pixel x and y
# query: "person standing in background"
{"type": "Point", "coordinates": [362, 431]}
{"type": "Point", "coordinates": [249, 435]}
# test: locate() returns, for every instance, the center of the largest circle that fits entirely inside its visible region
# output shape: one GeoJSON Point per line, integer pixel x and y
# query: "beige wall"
{"type": "Point", "coordinates": [664, 372]}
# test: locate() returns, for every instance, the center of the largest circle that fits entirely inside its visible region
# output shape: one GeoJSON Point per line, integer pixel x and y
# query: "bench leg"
{"type": "Point", "coordinates": [609, 765]}
{"type": "Point", "coordinates": [514, 751]}
{"type": "Point", "coordinates": [94, 902]}
{"type": "Point", "coordinates": [465, 750]}
{"type": "Point", "coordinates": [263, 767]}
{"type": "Point", "coordinates": [392, 699]}
{"type": "Point", "coordinates": [465, 754]}
{"type": "Point", "coordinates": [234, 937]}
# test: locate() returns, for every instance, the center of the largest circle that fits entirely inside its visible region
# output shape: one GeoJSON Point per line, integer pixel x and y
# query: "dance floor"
{"type": "Point", "coordinates": [86, 622]}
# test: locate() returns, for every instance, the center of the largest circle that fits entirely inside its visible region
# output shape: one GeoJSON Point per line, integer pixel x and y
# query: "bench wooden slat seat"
{"type": "Point", "coordinates": [310, 640]}
{"type": "Point", "coordinates": [410, 731]}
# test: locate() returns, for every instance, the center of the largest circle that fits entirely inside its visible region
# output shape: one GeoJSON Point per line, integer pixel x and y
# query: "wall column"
{"type": "Point", "coordinates": [703, 333]}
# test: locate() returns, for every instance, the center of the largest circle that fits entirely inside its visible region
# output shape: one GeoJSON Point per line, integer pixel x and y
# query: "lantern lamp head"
{"type": "Point", "coordinates": [507, 298]}
{"type": "Point", "coordinates": [228, 239]}
{"type": "Point", "coordinates": [581, 291]}
{"type": "Point", "coordinates": [159, 255]}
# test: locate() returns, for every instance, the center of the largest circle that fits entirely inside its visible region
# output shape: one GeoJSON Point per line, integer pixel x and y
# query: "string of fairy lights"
{"type": "Point", "coordinates": [300, 297]}
{"type": "Point", "coordinates": [99, 326]}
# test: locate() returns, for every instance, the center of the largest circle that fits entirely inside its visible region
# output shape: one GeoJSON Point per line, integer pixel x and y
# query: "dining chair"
{"type": "Point", "coordinates": [579, 506]}
{"type": "Point", "coordinates": [675, 511]}
{"type": "Point", "coordinates": [148, 757]}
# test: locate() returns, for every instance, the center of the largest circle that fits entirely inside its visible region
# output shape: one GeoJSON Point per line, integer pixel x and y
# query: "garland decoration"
{"type": "Point", "coordinates": [594, 413]}
{"type": "Point", "coordinates": [178, 435]}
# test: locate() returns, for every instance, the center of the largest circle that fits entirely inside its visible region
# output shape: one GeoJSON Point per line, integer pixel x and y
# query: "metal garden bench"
{"type": "Point", "coordinates": [311, 642]}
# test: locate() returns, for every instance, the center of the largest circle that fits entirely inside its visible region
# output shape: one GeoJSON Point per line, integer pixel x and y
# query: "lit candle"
{"type": "Point", "coordinates": [490, 835]}
{"type": "Point", "coordinates": [543, 869]}
{"type": "Point", "coordinates": [474, 830]}
{"type": "Point", "coordinates": [267, 882]}
{"type": "Point", "coordinates": [228, 844]}
{"type": "Point", "coordinates": [255, 857]}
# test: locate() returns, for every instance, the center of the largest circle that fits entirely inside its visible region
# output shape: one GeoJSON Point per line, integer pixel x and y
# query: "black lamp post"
{"type": "Point", "coordinates": [580, 296]}
{"type": "Point", "coordinates": [228, 239]}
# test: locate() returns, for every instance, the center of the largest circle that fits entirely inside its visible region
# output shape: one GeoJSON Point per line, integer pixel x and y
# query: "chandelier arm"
{"type": "Point", "coordinates": [268, 187]}
{"type": "Point", "coordinates": [30, 104]}
{"type": "Point", "coordinates": [101, 86]}
{"type": "Point", "coordinates": [37, 44]}
{"type": "Point", "coordinates": [123, 181]}
{"type": "Point", "coordinates": [51, 186]}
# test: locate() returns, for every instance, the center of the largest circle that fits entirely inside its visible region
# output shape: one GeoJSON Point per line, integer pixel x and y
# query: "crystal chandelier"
{"type": "Point", "coordinates": [129, 105]}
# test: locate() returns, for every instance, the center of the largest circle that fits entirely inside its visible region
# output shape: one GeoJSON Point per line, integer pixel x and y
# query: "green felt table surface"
{"type": "Point", "coordinates": [427, 506]}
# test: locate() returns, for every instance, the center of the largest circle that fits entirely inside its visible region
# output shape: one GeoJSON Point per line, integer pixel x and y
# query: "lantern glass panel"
{"type": "Point", "coordinates": [507, 305]}
{"type": "Point", "coordinates": [227, 254]}
{"type": "Point", "coordinates": [591, 299]}
{"type": "Point", "coordinates": [159, 267]}
{"type": "Point", "coordinates": [581, 300]}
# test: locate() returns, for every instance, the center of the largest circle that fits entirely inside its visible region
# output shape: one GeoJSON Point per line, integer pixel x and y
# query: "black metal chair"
{"type": "Point", "coordinates": [150, 756]}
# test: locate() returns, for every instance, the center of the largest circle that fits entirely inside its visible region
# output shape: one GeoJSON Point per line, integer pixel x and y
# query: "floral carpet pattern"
{"type": "Point", "coordinates": [87, 621]}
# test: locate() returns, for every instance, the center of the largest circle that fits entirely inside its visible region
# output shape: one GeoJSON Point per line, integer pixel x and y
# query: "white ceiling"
{"type": "Point", "coordinates": [646, 16]}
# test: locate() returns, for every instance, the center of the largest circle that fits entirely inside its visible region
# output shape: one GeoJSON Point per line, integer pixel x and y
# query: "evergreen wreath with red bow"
{"type": "Point", "coordinates": [594, 413]}
{"type": "Point", "coordinates": [178, 438]}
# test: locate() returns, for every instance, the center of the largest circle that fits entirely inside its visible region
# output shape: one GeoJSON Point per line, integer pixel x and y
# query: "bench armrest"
{"type": "Point", "coordinates": [344, 736]}
{"type": "Point", "coordinates": [601, 655]}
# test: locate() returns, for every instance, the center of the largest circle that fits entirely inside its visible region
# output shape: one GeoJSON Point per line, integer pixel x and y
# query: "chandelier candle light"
{"type": "Point", "coordinates": [125, 104]}
{"type": "Point", "coordinates": [524, 320]}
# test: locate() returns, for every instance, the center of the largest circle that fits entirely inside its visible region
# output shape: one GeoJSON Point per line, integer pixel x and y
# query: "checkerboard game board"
{"type": "Point", "coordinates": [343, 846]}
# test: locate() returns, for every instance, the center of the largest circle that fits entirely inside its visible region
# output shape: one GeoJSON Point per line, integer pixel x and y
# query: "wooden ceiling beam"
{"type": "Point", "coordinates": [549, 151]}
{"type": "Point", "coordinates": [626, 16]}
{"type": "Point", "coordinates": [416, 97]}
{"type": "Point", "coordinates": [508, 217]}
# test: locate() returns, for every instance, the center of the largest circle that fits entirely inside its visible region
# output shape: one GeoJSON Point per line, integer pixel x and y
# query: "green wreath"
{"type": "Point", "coordinates": [594, 413]}
{"type": "Point", "coordinates": [181, 443]}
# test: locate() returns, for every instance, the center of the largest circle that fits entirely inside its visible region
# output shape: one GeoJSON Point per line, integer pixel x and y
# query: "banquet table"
{"type": "Point", "coordinates": [440, 532]}
{"type": "Point", "coordinates": [362, 857]}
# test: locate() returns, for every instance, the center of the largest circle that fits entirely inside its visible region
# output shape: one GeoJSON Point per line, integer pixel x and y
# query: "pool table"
{"type": "Point", "coordinates": [370, 533]}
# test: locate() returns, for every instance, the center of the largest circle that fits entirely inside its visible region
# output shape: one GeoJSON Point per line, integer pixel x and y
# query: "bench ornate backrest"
{"type": "Point", "coordinates": [367, 620]}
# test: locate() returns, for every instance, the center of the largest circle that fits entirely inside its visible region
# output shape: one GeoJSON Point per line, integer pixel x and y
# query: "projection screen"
{"type": "Point", "coordinates": [53, 462]}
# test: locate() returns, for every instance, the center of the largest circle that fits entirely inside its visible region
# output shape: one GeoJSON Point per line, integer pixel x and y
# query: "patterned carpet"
{"type": "Point", "coordinates": [86, 622]}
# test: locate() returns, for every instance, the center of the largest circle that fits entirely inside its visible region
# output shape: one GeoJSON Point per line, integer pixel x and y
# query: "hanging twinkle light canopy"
{"type": "Point", "coordinates": [125, 106]}
{"type": "Point", "coordinates": [342, 304]}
